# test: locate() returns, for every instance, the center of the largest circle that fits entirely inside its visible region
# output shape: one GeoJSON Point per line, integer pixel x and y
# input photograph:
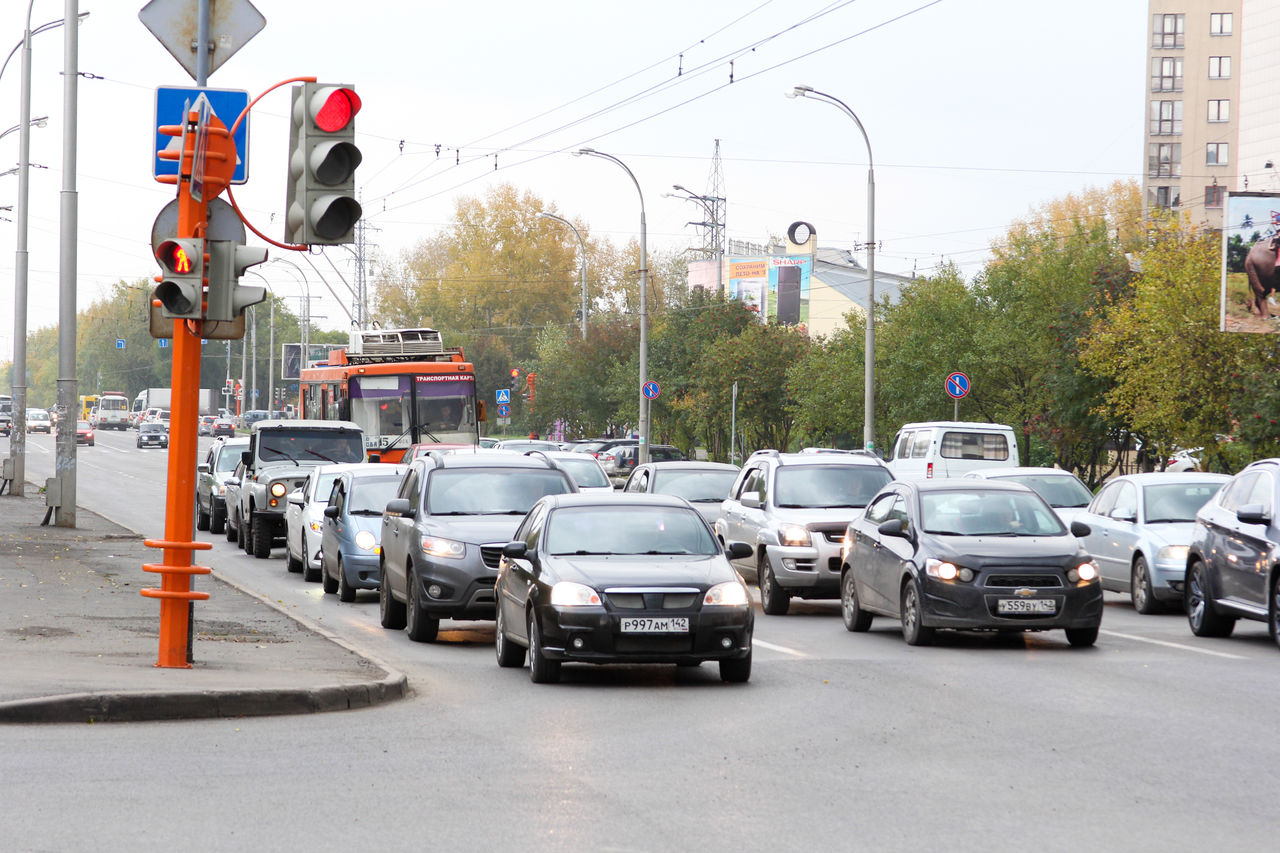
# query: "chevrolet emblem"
{"type": "Point", "coordinates": [1024, 592]}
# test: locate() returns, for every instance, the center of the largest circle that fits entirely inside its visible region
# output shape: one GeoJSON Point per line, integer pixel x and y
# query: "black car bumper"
{"type": "Point", "coordinates": [595, 635]}
{"type": "Point", "coordinates": [949, 604]}
{"type": "Point", "coordinates": [362, 569]}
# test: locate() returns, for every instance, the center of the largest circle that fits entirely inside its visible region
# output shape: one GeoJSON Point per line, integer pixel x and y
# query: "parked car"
{"type": "Point", "coordinates": [793, 510]}
{"type": "Point", "coordinates": [582, 467]}
{"type": "Point", "coordinates": [487, 442]}
{"type": "Point", "coordinates": [38, 420]}
{"type": "Point", "coordinates": [1184, 460]}
{"type": "Point", "coordinates": [84, 433]}
{"type": "Point", "coordinates": [304, 520]}
{"type": "Point", "coordinates": [219, 465]}
{"type": "Point", "coordinates": [1233, 562]}
{"type": "Point", "coordinates": [603, 445]}
{"type": "Point", "coordinates": [520, 445]}
{"type": "Point", "coordinates": [153, 434]}
{"type": "Point", "coordinates": [924, 451]}
{"type": "Point", "coordinates": [1062, 490]}
{"type": "Point", "coordinates": [222, 427]}
{"type": "Point", "coordinates": [634, 579]}
{"type": "Point", "coordinates": [968, 554]}
{"type": "Point", "coordinates": [620, 461]}
{"type": "Point", "coordinates": [442, 535]}
{"type": "Point", "coordinates": [1141, 526]}
{"type": "Point", "coordinates": [352, 528]}
{"type": "Point", "coordinates": [703, 484]}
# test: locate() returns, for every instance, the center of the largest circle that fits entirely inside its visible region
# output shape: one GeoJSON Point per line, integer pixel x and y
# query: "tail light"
{"type": "Point", "coordinates": [929, 472]}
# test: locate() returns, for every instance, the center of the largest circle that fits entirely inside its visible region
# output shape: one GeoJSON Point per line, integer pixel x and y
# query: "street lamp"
{"type": "Point", "coordinates": [643, 455]}
{"type": "Point", "coordinates": [869, 372]}
{"type": "Point", "coordinates": [710, 204]}
{"type": "Point", "coordinates": [545, 215]}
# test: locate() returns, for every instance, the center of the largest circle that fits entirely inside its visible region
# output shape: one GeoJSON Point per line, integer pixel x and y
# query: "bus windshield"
{"type": "Point", "coordinates": [438, 407]}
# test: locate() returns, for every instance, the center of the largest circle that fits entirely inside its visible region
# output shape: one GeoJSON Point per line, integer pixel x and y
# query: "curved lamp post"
{"type": "Point", "coordinates": [643, 455]}
{"type": "Point", "coordinates": [869, 374]}
{"type": "Point", "coordinates": [545, 215]}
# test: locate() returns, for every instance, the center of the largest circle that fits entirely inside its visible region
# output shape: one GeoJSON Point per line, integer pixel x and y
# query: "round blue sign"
{"type": "Point", "coordinates": [651, 390]}
{"type": "Point", "coordinates": [504, 411]}
{"type": "Point", "coordinates": [957, 385]}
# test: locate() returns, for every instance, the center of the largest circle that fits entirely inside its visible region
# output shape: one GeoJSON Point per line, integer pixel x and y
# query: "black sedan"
{"type": "Point", "coordinates": [978, 555]}
{"type": "Point", "coordinates": [632, 579]}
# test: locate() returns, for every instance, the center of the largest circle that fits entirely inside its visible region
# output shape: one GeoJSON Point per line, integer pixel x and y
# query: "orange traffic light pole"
{"type": "Point", "coordinates": [214, 166]}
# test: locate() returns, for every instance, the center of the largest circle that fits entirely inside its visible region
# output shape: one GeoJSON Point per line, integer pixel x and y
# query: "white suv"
{"type": "Point", "coordinates": [793, 509]}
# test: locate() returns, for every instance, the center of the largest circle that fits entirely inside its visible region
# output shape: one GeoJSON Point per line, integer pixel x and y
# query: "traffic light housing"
{"type": "Point", "coordinates": [320, 204]}
{"type": "Point", "coordinates": [180, 287]}
{"type": "Point", "coordinates": [228, 261]}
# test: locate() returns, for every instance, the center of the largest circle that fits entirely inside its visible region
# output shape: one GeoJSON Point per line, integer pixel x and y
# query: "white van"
{"type": "Point", "coordinates": [940, 449]}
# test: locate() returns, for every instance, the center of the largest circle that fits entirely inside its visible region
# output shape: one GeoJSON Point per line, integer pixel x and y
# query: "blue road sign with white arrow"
{"type": "Point", "coordinates": [226, 104]}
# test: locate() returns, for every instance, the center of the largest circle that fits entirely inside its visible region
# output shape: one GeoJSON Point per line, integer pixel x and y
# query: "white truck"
{"type": "Point", "coordinates": [160, 398]}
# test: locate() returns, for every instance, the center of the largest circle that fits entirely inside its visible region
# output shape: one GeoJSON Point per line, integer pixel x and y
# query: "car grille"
{"type": "Point", "coordinates": [653, 644]}
{"type": "Point", "coordinates": [1023, 580]}
{"type": "Point", "coordinates": [491, 555]}
{"type": "Point", "coordinates": [651, 600]}
{"type": "Point", "coordinates": [836, 536]}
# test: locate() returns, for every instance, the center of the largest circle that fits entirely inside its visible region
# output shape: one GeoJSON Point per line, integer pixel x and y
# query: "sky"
{"type": "Point", "coordinates": [977, 112]}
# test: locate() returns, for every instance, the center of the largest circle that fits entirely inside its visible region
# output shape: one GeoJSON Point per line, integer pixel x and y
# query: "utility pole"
{"type": "Point", "coordinates": [713, 236]}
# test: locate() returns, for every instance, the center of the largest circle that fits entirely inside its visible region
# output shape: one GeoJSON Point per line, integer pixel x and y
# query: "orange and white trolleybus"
{"type": "Point", "coordinates": [401, 386]}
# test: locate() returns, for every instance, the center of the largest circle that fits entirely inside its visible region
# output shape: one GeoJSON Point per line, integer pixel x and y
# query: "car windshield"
{"type": "Point", "coordinates": [491, 491]}
{"type": "Point", "coordinates": [229, 458]}
{"type": "Point", "coordinates": [1176, 502]}
{"type": "Point", "coordinates": [285, 445]}
{"type": "Point", "coordinates": [369, 495]}
{"type": "Point", "coordinates": [820, 486]}
{"type": "Point", "coordinates": [694, 486]}
{"type": "Point", "coordinates": [83, 425]}
{"type": "Point", "coordinates": [964, 513]}
{"type": "Point", "coordinates": [628, 529]}
{"type": "Point", "coordinates": [1059, 490]}
{"type": "Point", "coordinates": [586, 472]}
{"type": "Point", "coordinates": [151, 428]}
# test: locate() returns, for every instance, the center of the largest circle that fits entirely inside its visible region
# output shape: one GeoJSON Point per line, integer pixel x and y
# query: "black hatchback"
{"type": "Point", "coordinates": [968, 554]}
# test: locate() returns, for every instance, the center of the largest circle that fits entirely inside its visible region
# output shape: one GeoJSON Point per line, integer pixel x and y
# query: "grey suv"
{"type": "Point", "coordinates": [443, 534]}
{"type": "Point", "coordinates": [793, 509]}
{"type": "Point", "coordinates": [1233, 562]}
{"type": "Point", "coordinates": [219, 465]}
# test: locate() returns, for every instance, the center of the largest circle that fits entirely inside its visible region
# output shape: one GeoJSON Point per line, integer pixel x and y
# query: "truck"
{"type": "Point", "coordinates": [159, 398]}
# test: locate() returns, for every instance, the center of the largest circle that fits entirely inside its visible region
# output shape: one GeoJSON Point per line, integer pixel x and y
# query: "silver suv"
{"type": "Point", "coordinates": [793, 508]}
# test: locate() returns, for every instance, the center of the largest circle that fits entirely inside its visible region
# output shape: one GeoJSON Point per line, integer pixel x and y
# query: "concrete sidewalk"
{"type": "Point", "coordinates": [78, 643]}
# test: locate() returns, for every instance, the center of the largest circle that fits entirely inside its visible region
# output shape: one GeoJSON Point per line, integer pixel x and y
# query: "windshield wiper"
{"type": "Point", "coordinates": [666, 553]}
{"type": "Point", "coordinates": [581, 553]}
{"type": "Point", "coordinates": [278, 452]}
{"type": "Point", "coordinates": [366, 512]}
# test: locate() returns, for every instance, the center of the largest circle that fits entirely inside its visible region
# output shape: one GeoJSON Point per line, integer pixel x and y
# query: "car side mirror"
{"type": "Point", "coordinates": [295, 497]}
{"type": "Point", "coordinates": [739, 550]}
{"type": "Point", "coordinates": [203, 467]}
{"type": "Point", "coordinates": [1253, 514]}
{"type": "Point", "coordinates": [893, 527]}
{"type": "Point", "coordinates": [515, 549]}
{"type": "Point", "coordinates": [375, 458]}
{"type": "Point", "coordinates": [331, 512]}
{"type": "Point", "coordinates": [246, 458]}
{"type": "Point", "coordinates": [1080, 530]}
{"type": "Point", "coordinates": [751, 499]}
{"type": "Point", "coordinates": [1123, 514]}
{"type": "Point", "coordinates": [232, 481]}
{"type": "Point", "coordinates": [401, 507]}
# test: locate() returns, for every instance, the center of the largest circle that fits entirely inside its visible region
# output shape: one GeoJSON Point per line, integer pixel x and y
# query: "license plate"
{"type": "Point", "coordinates": [1027, 605]}
{"type": "Point", "coordinates": [665, 625]}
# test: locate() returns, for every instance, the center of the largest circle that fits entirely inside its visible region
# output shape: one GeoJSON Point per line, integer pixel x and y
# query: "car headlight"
{"type": "Point", "coordinates": [278, 490]}
{"type": "Point", "coordinates": [727, 594]}
{"type": "Point", "coordinates": [947, 571]}
{"type": "Point", "coordinates": [435, 546]}
{"type": "Point", "coordinates": [845, 545]}
{"type": "Point", "coordinates": [794, 535]}
{"type": "Point", "coordinates": [221, 490]}
{"type": "Point", "coordinates": [1172, 554]}
{"type": "Point", "coordinates": [366, 541]}
{"type": "Point", "coordinates": [1087, 571]}
{"type": "Point", "coordinates": [570, 594]}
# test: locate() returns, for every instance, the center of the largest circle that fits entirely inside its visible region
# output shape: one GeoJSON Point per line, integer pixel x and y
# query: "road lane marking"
{"type": "Point", "coordinates": [1174, 645]}
{"type": "Point", "coordinates": [783, 649]}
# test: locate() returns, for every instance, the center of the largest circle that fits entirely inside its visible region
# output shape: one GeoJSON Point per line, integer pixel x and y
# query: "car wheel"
{"type": "Point", "coordinates": [541, 670]}
{"type": "Point", "coordinates": [329, 582]}
{"type": "Point", "coordinates": [231, 530]}
{"type": "Point", "coordinates": [292, 563]}
{"type": "Point", "coordinates": [736, 670]}
{"type": "Point", "coordinates": [508, 653]}
{"type": "Point", "coordinates": [774, 600]}
{"type": "Point", "coordinates": [421, 627]}
{"type": "Point", "coordinates": [202, 517]}
{"type": "Point", "coordinates": [242, 540]}
{"type": "Point", "coordinates": [310, 574]}
{"type": "Point", "coordinates": [1273, 618]}
{"type": "Point", "coordinates": [390, 611]}
{"type": "Point", "coordinates": [1081, 638]}
{"type": "Point", "coordinates": [913, 628]}
{"type": "Point", "coordinates": [855, 618]}
{"type": "Point", "coordinates": [1205, 621]}
{"type": "Point", "coordinates": [1144, 597]}
{"type": "Point", "coordinates": [346, 592]}
{"type": "Point", "coordinates": [261, 538]}
{"type": "Point", "coordinates": [218, 520]}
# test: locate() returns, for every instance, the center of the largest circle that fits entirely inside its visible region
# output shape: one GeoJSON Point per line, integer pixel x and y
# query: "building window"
{"type": "Point", "coordinates": [1166, 74]}
{"type": "Point", "coordinates": [1167, 31]}
{"type": "Point", "coordinates": [1220, 110]}
{"type": "Point", "coordinates": [1219, 67]}
{"type": "Point", "coordinates": [1214, 196]}
{"type": "Point", "coordinates": [1164, 159]}
{"type": "Point", "coordinates": [1162, 197]}
{"type": "Point", "coordinates": [1166, 118]}
{"type": "Point", "coordinates": [1219, 23]}
{"type": "Point", "coordinates": [1216, 154]}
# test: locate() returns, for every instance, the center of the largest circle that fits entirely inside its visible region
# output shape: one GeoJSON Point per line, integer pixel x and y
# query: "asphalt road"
{"type": "Point", "coordinates": [1154, 739]}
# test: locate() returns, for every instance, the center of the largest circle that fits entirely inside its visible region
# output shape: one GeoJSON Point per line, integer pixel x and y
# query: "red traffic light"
{"type": "Point", "coordinates": [174, 258]}
{"type": "Point", "coordinates": [337, 110]}
{"type": "Point", "coordinates": [515, 373]}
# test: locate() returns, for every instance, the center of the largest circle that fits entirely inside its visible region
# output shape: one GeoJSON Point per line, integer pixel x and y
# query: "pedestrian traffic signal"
{"type": "Point", "coordinates": [228, 261]}
{"type": "Point", "coordinates": [320, 204]}
{"type": "Point", "coordinates": [180, 287]}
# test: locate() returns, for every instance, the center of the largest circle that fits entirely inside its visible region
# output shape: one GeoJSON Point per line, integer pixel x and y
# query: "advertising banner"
{"type": "Point", "coordinates": [1250, 233]}
{"type": "Point", "coordinates": [776, 288]}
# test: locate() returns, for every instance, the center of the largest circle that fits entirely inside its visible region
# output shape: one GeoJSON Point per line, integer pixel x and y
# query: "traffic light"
{"type": "Point", "coordinates": [320, 204]}
{"type": "Point", "coordinates": [181, 285]}
{"type": "Point", "coordinates": [515, 378]}
{"type": "Point", "coordinates": [228, 261]}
